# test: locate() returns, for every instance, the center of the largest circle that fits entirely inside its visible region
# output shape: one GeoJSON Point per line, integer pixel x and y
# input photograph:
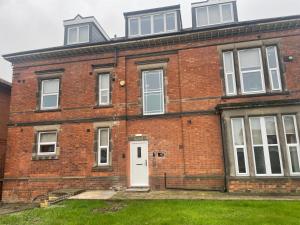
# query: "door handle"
{"type": "Point", "coordinates": [146, 162]}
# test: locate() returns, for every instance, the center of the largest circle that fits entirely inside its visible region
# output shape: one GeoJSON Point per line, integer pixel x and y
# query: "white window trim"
{"type": "Point", "coordinates": [103, 146]}
{"type": "Point", "coordinates": [265, 146]}
{"type": "Point", "coordinates": [297, 145]}
{"type": "Point", "coordinates": [161, 91]}
{"type": "Point", "coordinates": [55, 93]}
{"type": "Point", "coordinates": [165, 13]}
{"type": "Point", "coordinates": [77, 32]}
{"type": "Point", "coordinates": [226, 75]}
{"type": "Point", "coordinates": [220, 13]}
{"type": "Point", "coordinates": [261, 70]}
{"type": "Point", "coordinates": [244, 147]}
{"type": "Point", "coordinates": [272, 69]}
{"type": "Point", "coordinates": [46, 143]}
{"type": "Point", "coordinates": [100, 90]}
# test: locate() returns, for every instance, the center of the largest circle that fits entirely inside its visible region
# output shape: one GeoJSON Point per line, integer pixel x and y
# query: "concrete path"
{"type": "Point", "coordinates": [98, 194]}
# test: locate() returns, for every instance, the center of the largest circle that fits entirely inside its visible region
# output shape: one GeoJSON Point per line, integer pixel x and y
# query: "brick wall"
{"type": "Point", "coordinates": [189, 133]}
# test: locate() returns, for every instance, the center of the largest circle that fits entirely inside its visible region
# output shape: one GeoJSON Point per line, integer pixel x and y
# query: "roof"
{"type": "Point", "coordinates": [5, 83]}
{"type": "Point", "coordinates": [153, 10]}
{"type": "Point", "coordinates": [186, 35]}
{"type": "Point", "coordinates": [91, 19]}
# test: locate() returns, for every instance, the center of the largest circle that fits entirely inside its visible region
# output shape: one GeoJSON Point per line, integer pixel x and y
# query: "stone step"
{"type": "Point", "coordinates": [138, 189]}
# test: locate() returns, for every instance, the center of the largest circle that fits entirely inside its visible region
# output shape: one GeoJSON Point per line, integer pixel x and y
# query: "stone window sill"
{"type": "Point", "coordinates": [47, 110]}
{"type": "Point", "coordinates": [103, 106]}
{"type": "Point", "coordinates": [44, 157]}
{"type": "Point", "coordinates": [102, 169]}
{"type": "Point", "coordinates": [256, 95]}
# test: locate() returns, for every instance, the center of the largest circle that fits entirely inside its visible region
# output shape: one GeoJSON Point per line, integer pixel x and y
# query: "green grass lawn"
{"type": "Point", "coordinates": [181, 212]}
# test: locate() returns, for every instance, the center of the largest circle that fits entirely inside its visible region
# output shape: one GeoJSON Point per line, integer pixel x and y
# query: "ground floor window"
{"type": "Point", "coordinates": [47, 141]}
{"type": "Point", "coordinates": [103, 146]}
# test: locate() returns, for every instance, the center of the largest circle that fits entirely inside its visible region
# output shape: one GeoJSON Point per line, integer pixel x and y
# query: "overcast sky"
{"type": "Point", "coordinates": [34, 24]}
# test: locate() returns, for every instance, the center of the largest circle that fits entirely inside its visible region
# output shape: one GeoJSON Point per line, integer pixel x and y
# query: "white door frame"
{"type": "Point", "coordinates": [145, 145]}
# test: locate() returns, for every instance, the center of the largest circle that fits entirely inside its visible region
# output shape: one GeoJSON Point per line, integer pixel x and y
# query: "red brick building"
{"type": "Point", "coordinates": [213, 107]}
{"type": "Point", "coordinates": [4, 113]}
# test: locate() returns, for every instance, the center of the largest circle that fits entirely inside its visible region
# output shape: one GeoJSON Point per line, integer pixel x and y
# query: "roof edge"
{"type": "Point", "coordinates": [138, 12]}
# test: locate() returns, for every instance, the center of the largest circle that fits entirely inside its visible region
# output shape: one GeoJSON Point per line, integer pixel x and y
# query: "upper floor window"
{"type": "Point", "coordinates": [47, 142]}
{"type": "Point", "coordinates": [153, 92]}
{"type": "Point", "coordinates": [78, 34]}
{"type": "Point", "coordinates": [214, 14]}
{"type": "Point", "coordinates": [152, 24]}
{"type": "Point", "coordinates": [104, 89]}
{"type": "Point", "coordinates": [250, 69]}
{"type": "Point", "coordinates": [49, 94]}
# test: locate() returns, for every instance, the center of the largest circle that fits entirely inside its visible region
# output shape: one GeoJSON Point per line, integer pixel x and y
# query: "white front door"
{"type": "Point", "coordinates": [139, 164]}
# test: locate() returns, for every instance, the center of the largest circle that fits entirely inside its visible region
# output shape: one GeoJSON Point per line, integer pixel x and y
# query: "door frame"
{"type": "Point", "coordinates": [147, 158]}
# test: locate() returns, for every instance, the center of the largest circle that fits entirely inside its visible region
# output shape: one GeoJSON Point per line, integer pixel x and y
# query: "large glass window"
{"type": "Point", "coordinates": [265, 145]}
{"type": "Point", "coordinates": [50, 94]}
{"type": "Point", "coordinates": [78, 34]}
{"type": "Point", "coordinates": [47, 142]}
{"type": "Point", "coordinates": [103, 146]}
{"type": "Point", "coordinates": [239, 143]}
{"type": "Point", "coordinates": [214, 14]}
{"type": "Point", "coordinates": [292, 143]}
{"type": "Point", "coordinates": [153, 92]}
{"type": "Point", "coordinates": [251, 71]}
{"type": "Point", "coordinates": [104, 89]}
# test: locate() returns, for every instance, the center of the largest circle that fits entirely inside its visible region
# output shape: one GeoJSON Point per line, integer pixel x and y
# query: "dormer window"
{"type": "Point", "coordinates": [214, 12]}
{"type": "Point", "coordinates": [78, 34]}
{"type": "Point", "coordinates": [153, 21]}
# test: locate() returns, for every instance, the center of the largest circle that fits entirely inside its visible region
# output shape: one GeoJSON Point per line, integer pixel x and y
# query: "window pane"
{"type": "Point", "coordinates": [274, 160]}
{"type": "Point", "coordinates": [84, 34]}
{"type": "Point", "coordinates": [134, 26]}
{"type": "Point", "coordinates": [104, 97]}
{"type": "Point", "coordinates": [170, 21]}
{"type": "Point", "coordinates": [294, 159]}
{"type": "Point", "coordinates": [145, 25]}
{"type": "Point", "coordinates": [50, 101]}
{"type": "Point", "coordinates": [104, 137]}
{"type": "Point", "coordinates": [50, 86]}
{"type": "Point", "coordinates": [202, 16]}
{"type": "Point", "coordinates": [230, 84]}
{"type": "Point", "coordinates": [152, 81]}
{"type": "Point", "coordinates": [241, 160]}
{"type": "Point", "coordinates": [272, 61]}
{"type": "Point", "coordinates": [228, 62]}
{"type": "Point", "coordinates": [252, 81]}
{"type": "Point", "coordinates": [227, 13]}
{"type": "Point", "coordinates": [72, 35]}
{"type": "Point", "coordinates": [238, 134]}
{"type": "Point", "coordinates": [256, 131]}
{"type": "Point", "coordinates": [271, 130]}
{"type": "Point", "coordinates": [103, 155]}
{"type": "Point", "coordinates": [47, 148]}
{"type": "Point", "coordinates": [158, 23]}
{"type": "Point", "coordinates": [250, 59]}
{"type": "Point", "coordinates": [153, 103]}
{"type": "Point", "coordinates": [259, 160]}
{"type": "Point", "coordinates": [139, 152]}
{"type": "Point", "coordinates": [47, 137]}
{"type": "Point", "coordinates": [289, 125]}
{"type": "Point", "coordinates": [275, 79]}
{"type": "Point", "coordinates": [214, 14]}
{"type": "Point", "coordinates": [104, 81]}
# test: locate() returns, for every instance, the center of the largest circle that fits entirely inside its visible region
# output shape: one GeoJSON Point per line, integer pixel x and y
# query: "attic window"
{"type": "Point", "coordinates": [149, 24]}
{"type": "Point", "coordinates": [78, 34]}
{"type": "Point", "coordinates": [214, 14]}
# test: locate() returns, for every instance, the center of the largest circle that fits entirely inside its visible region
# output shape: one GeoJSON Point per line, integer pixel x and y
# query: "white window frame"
{"type": "Point", "coordinates": [100, 90]}
{"type": "Point", "coordinates": [43, 95]}
{"type": "Point", "coordinates": [277, 69]}
{"type": "Point", "coordinates": [152, 23]}
{"type": "Point", "coordinates": [265, 146]}
{"type": "Point", "coordinates": [297, 145]}
{"type": "Point", "coordinates": [220, 13]}
{"type": "Point", "coordinates": [244, 147]}
{"type": "Point", "coordinates": [261, 70]}
{"type": "Point", "coordinates": [46, 143]}
{"type": "Point", "coordinates": [227, 74]}
{"type": "Point", "coordinates": [158, 91]}
{"type": "Point", "coordinates": [103, 146]}
{"type": "Point", "coordinates": [77, 32]}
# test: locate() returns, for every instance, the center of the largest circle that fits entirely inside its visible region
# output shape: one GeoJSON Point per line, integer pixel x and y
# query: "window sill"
{"type": "Point", "coordinates": [102, 169]}
{"type": "Point", "coordinates": [256, 95]}
{"type": "Point", "coordinates": [259, 178]}
{"type": "Point", "coordinates": [47, 110]}
{"type": "Point", "coordinates": [103, 106]}
{"type": "Point", "coordinates": [44, 157]}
